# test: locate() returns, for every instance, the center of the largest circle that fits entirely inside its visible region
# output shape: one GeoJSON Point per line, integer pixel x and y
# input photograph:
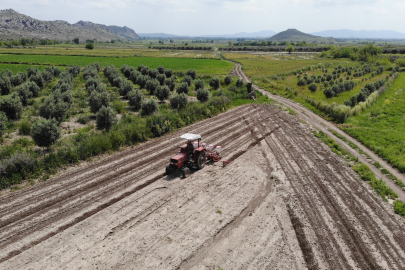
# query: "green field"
{"type": "Point", "coordinates": [21, 68]}
{"type": "Point", "coordinates": [206, 66]}
{"type": "Point", "coordinates": [382, 126]}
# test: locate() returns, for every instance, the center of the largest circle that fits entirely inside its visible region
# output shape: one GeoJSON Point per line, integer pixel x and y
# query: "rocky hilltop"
{"type": "Point", "coordinates": [14, 25]}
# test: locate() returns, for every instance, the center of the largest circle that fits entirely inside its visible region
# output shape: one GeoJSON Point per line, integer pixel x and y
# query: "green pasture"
{"type": "Point", "coordinates": [206, 66]}
{"type": "Point", "coordinates": [18, 67]}
{"type": "Point", "coordinates": [382, 126]}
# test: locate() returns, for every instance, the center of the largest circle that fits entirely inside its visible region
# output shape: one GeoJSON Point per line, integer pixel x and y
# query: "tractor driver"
{"type": "Point", "coordinates": [190, 151]}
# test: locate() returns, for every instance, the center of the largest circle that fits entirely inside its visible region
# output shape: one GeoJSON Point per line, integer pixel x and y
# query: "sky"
{"type": "Point", "coordinates": [216, 17]}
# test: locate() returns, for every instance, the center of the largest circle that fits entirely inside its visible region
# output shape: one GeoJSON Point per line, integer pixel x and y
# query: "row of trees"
{"type": "Point", "coordinates": [275, 48]}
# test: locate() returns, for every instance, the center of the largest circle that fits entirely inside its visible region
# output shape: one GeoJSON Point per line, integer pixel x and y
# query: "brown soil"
{"type": "Point", "coordinates": [284, 202]}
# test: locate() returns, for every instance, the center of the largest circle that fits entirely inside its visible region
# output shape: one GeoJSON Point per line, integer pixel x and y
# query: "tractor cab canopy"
{"type": "Point", "coordinates": [190, 137]}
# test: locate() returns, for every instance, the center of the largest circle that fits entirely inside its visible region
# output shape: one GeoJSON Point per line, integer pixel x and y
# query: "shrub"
{"type": "Point", "coordinates": [18, 79]}
{"type": "Point", "coordinates": [45, 132]}
{"type": "Point", "coordinates": [98, 100]}
{"type": "Point", "coordinates": [90, 46]}
{"type": "Point", "coordinates": [92, 83]}
{"type": "Point", "coordinates": [168, 73]}
{"type": "Point", "coordinates": [228, 80]}
{"type": "Point", "coordinates": [239, 83]}
{"type": "Point", "coordinates": [74, 71]}
{"type": "Point", "coordinates": [182, 88]}
{"type": "Point", "coordinates": [133, 76]}
{"type": "Point", "coordinates": [161, 69]}
{"type": "Point", "coordinates": [199, 84]}
{"type": "Point", "coordinates": [313, 87]}
{"type": "Point", "coordinates": [178, 101]}
{"type": "Point", "coordinates": [192, 73]}
{"type": "Point", "coordinates": [33, 88]}
{"type": "Point", "coordinates": [46, 76]}
{"type": "Point", "coordinates": [171, 83]}
{"type": "Point", "coordinates": [161, 78]}
{"type": "Point", "coordinates": [54, 108]}
{"type": "Point", "coordinates": [126, 70]}
{"type": "Point", "coordinates": [203, 95]}
{"type": "Point", "coordinates": [37, 78]}
{"type": "Point", "coordinates": [106, 118]}
{"type": "Point", "coordinates": [5, 86]}
{"type": "Point", "coordinates": [141, 81]}
{"type": "Point", "coordinates": [399, 207]}
{"type": "Point", "coordinates": [151, 86]}
{"type": "Point", "coordinates": [215, 83]}
{"type": "Point", "coordinates": [329, 93]}
{"type": "Point", "coordinates": [187, 79]}
{"type": "Point", "coordinates": [25, 127]}
{"type": "Point", "coordinates": [125, 88]}
{"type": "Point", "coordinates": [162, 92]}
{"type": "Point", "coordinates": [135, 99]}
{"type": "Point", "coordinates": [153, 73]}
{"type": "Point", "coordinates": [12, 107]}
{"type": "Point", "coordinates": [3, 120]}
{"type": "Point", "coordinates": [24, 93]}
{"type": "Point", "coordinates": [54, 71]}
{"type": "Point", "coordinates": [149, 107]}
{"type": "Point", "coordinates": [17, 164]}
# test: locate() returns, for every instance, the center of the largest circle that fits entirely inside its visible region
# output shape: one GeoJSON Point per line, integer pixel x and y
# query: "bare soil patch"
{"type": "Point", "coordinates": [285, 202]}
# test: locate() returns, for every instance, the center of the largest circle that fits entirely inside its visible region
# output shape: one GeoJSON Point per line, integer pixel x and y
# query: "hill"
{"type": "Point", "coordinates": [373, 34]}
{"type": "Point", "coordinates": [295, 35]}
{"type": "Point", "coordinates": [14, 25]}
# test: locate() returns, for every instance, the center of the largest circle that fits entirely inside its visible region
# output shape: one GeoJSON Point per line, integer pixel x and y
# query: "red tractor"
{"type": "Point", "coordinates": [192, 155]}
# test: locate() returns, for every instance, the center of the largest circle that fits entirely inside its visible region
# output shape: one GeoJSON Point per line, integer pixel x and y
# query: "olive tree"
{"type": "Point", "coordinates": [106, 118]}
{"type": "Point", "coordinates": [199, 84]}
{"type": "Point", "coordinates": [162, 92]}
{"type": "Point", "coordinates": [149, 107]}
{"type": "Point", "coordinates": [3, 120]}
{"type": "Point", "coordinates": [12, 107]}
{"type": "Point", "coordinates": [228, 80]}
{"type": "Point", "coordinates": [135, 98]}
{"type": "Point", "coordinates": [151, 86]}
{"type": "Point", "coordinates": [203, 95]}
{"type": "Point", "coordinates": [98, 100]}
{"type": "Point", "coordinates": [178, 101]}
{"type": "Point", "coordinates": [45, 132]}
{"type": "Point", "coordinates": [192, 73]}
{"type": "Point", "coordinates": [187, 79]}
{"type": "Point", "coordinates": [182, 88]}
{"type": "Point", "coordinates": [215, 83]}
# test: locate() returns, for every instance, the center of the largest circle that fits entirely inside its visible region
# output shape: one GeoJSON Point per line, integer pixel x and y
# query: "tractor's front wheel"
{"type": "Point", "coordinates": [168, 170]}
{"type": "Point", "coordinates": [201, 159]}
{"type": "Point", "coordinates": [185, 172]}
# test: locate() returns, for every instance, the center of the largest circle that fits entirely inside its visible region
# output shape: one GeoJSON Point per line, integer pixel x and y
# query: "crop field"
{"type": "Point", "coordinates": [19, 68]}
{"type": "Point", "coordinates": [381, 126]}
{"type": "Point", "coordinates": [116, 51]}
{"type": "Point", "coordinates": [207, 66]}
{"type": "Point", "coordinates": [285, 201]}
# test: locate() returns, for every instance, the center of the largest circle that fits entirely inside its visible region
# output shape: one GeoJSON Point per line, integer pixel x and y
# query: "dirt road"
{"type": "Point", "coordinates": [285, 202]}
{"type": "Point", "coordinates": [322, 125]}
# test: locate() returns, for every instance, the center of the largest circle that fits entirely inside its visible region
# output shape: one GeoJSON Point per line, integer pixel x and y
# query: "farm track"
{"type": "Point", "coordinates": [285, 201]}
{"type": "Point", "coordinates": [322, 125]}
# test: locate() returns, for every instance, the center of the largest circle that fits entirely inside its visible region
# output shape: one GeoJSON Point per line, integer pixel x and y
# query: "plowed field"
{"type": "Point", "coordinates": [284, 202]}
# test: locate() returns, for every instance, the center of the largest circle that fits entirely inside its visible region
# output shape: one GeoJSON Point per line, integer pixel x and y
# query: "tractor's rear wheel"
{"type": "Point", "coordinates": [201, 159]}
{"type": "Point", "coordinates": [185, 172]}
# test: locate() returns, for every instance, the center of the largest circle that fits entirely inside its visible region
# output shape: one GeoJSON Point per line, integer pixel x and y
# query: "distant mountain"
{"type": "Point", "coordinates": [158, 35]}
{"type": "Point", "coordinates": [295, 35]}
{"type": "Point", "coordinates": [125, 32]}
{"type": "Point", "coordinates": [14, 25]}
{"type": "Point", "coordinates": [375, 34]}
{"type": "Point", "coordinates": [260, 34]}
